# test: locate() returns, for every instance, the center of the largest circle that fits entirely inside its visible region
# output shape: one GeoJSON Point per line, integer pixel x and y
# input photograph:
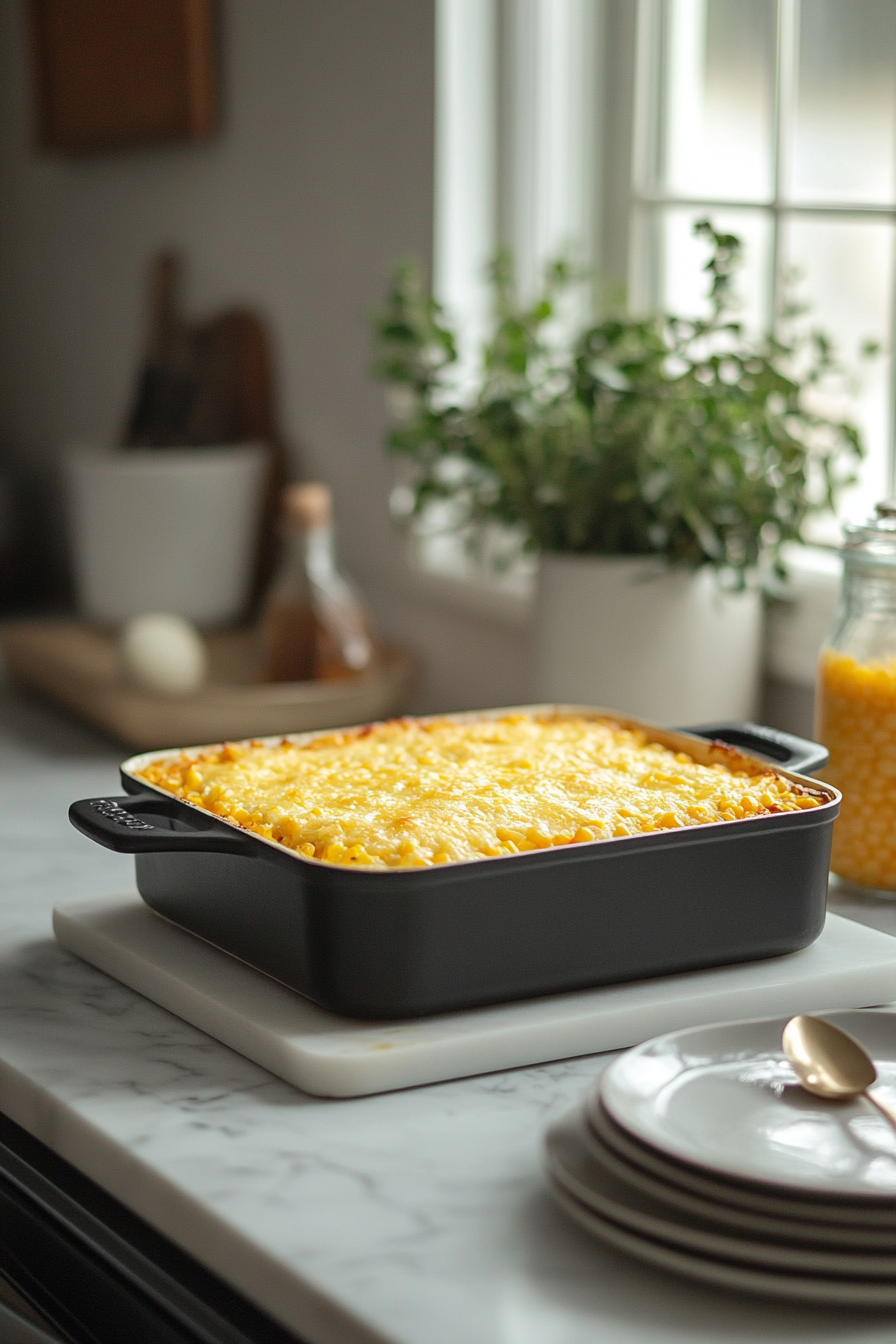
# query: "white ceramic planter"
{"type": "Point", "coordinates": [627, 634]}
{"type": "Point", "coordinates": [165, 530]}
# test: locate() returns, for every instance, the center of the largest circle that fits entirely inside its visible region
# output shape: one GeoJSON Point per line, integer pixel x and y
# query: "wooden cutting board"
{"type": "Point", "coordinates": [850, 966]}
{"type": "Point", "coordinates": [76, 665]}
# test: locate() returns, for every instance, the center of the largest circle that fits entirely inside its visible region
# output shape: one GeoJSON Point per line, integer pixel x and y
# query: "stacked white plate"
{"type": "Point", "coordinates": [700, 1152]}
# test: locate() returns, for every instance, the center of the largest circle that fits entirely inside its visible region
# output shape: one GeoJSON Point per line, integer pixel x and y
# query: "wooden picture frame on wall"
{"type": "Point", "coordinates": [115, 74]}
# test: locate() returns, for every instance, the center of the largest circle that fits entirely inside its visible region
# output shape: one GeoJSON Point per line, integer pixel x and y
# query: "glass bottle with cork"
{"type": "Point", "coordinates": [314, 623]}
{"type": "Point", "coordinates": [855, 714]}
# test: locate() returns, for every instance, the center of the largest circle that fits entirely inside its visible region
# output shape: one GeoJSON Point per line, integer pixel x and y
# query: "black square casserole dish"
{"type": "Point", "coordinates": [407, 942]}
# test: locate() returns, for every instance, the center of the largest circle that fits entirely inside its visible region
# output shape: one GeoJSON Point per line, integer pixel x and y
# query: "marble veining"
{"type": "Point", "coordinates": [416, 1217]}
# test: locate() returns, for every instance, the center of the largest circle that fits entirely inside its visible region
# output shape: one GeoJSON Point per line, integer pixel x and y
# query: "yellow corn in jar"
{"type": "Point", "coordinates": [856, 706]}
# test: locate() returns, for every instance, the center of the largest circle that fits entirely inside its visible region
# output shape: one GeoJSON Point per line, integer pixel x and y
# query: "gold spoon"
{"type": "Point", "coordinates": [830, 1063]}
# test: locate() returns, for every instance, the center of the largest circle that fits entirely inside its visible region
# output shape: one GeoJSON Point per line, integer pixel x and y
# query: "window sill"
{"type": "Point", "coordinates": [795, 628]}
{"type": "Point", "coordinates": [474, 595]}
{"type": "Point", "coordinates": [444, 570]}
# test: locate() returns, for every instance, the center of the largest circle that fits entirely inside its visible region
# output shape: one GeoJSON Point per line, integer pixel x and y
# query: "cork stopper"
{"type": "Point", "coordinates": [308, 506]}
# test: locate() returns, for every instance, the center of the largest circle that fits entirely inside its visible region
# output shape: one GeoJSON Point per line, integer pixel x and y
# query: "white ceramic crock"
{"type": "Point", "coordinates": [630, 634]}
{"type": "Point", "coordinates": [171, 529]}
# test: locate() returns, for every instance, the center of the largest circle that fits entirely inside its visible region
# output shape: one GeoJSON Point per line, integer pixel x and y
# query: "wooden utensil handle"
{"type": "Point", "coordinates": [163, 287]}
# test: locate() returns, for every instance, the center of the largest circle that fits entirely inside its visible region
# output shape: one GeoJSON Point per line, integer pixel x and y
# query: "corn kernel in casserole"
{"type": "Point", "coordinates": [412, 793]}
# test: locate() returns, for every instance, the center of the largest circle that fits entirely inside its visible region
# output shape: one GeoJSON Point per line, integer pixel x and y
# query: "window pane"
{"type": "Point", "coordinates": [847, 277]}
{"type": "Point", "coordinates": [843, 141]}
{"type": "Point", "coordinates": [717, 113]}
{"type": "Point", "coordinates": [680, 285]}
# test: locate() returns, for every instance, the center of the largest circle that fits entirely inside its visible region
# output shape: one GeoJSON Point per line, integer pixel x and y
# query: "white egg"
{"type": "Point", "coordinates": [163, 653]}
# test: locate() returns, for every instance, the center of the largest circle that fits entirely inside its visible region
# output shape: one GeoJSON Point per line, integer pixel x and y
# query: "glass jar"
{"type": "Point", "coordinates": [855, 705]}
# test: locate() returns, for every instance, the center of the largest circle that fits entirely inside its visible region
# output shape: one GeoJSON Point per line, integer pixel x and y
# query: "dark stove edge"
{"type": "Point", "coordinates": [100, 1274]}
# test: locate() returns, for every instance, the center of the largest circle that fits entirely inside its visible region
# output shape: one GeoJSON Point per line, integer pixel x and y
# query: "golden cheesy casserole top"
{"type": "Point", "coordinates": [409, 793]}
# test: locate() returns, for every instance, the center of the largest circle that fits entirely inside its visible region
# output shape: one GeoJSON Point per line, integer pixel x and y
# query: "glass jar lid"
{"type": "Point", "coordinates": [873, 542]}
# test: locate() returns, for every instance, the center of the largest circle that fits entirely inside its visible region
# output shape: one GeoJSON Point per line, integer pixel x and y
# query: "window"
{"type": "Point", "coordinates": [518, 141]}
{"type": "Point", "coordinates": [613, 125]}
{"type": "Point", "coordinates": [518, 154]}
{"type": "Point", "coordinates": [778, 118]}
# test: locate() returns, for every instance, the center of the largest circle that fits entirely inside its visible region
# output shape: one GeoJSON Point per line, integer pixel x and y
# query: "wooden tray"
{"type": "Point", "coordinates": [76, 665]}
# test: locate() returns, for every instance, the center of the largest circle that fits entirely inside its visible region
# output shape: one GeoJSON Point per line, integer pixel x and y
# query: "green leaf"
{"type": "Point", "coordinates": [660, 434]}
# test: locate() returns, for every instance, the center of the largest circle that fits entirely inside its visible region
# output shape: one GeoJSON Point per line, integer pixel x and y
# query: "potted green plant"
{"type": "Point", "coordinates": [658, 464]}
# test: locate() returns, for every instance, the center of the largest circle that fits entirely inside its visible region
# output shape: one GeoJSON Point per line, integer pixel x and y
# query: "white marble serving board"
{"type": "Point", "coordinates": [850, 966]}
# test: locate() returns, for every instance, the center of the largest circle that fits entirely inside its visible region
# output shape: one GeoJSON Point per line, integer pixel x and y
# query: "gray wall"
{"type": "Point", "coordinates": [320, 177]}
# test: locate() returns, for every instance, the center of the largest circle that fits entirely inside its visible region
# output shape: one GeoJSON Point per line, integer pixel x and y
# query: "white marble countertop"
{"type": "Point", "coordinates": [419, 1217]}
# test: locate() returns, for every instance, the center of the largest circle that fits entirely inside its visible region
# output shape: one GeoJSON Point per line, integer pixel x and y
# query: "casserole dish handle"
{"type": "Point", "coordinates": [785, 749]}
{"type": "Point", "coordinates": [118, 824]}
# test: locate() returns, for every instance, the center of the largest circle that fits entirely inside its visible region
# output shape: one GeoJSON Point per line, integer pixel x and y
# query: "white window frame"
{"type": "Point", "coordinates": [518, 162]}
{"type": "Point", "coordinates": [646, 201]}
